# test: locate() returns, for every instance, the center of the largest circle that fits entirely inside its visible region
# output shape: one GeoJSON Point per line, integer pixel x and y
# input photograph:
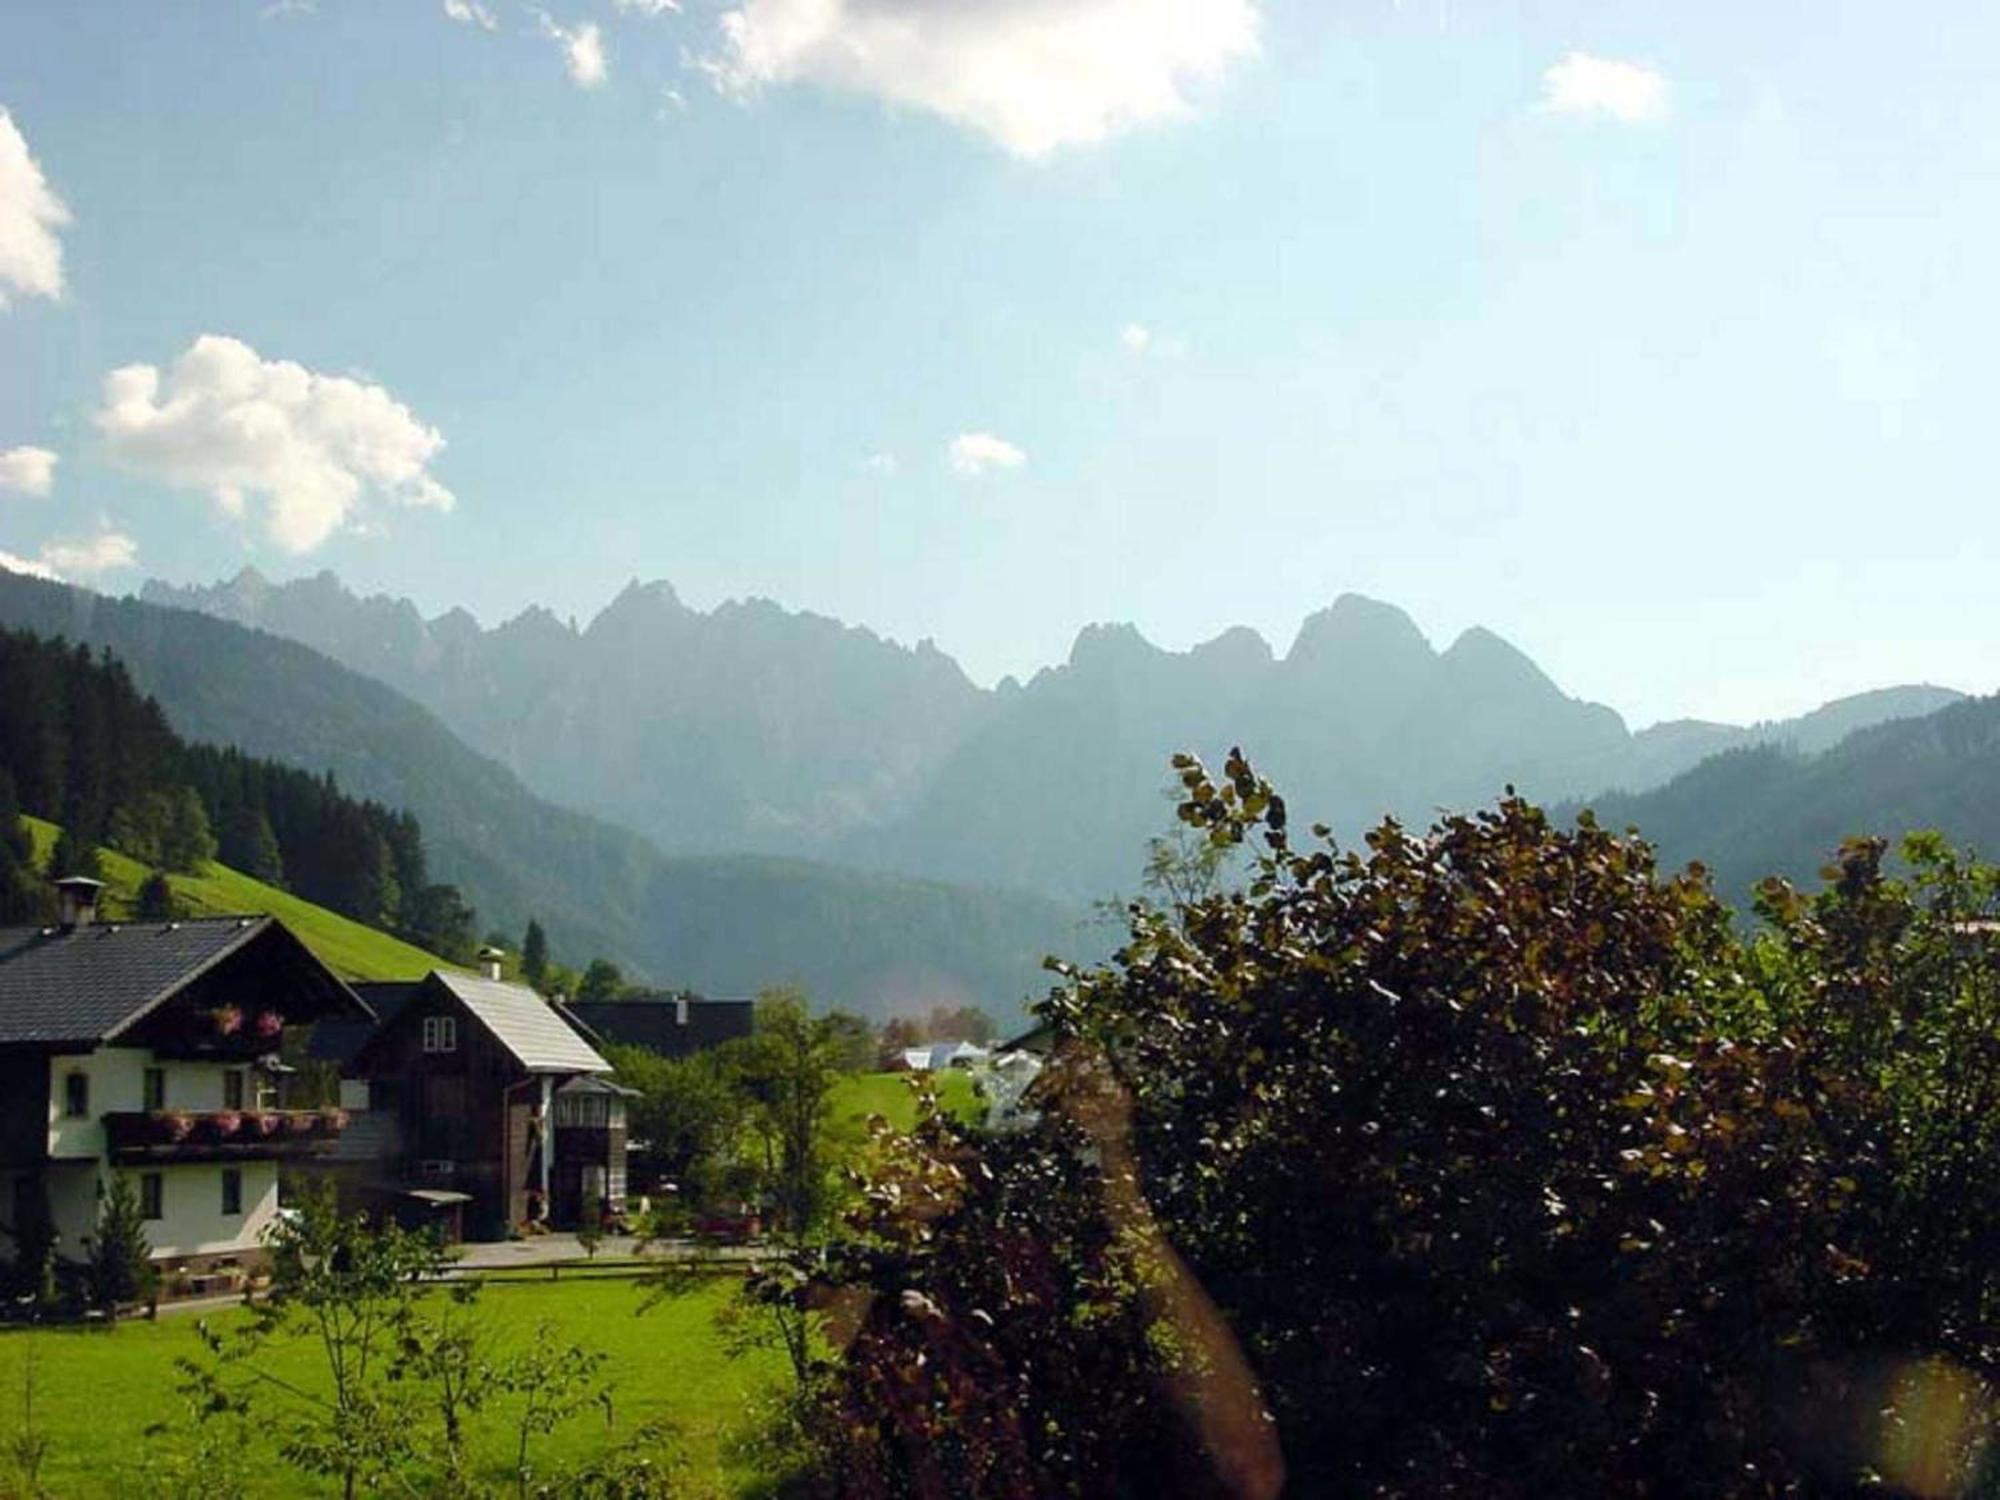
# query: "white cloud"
{"type": "Point", "coordinates": [472, 13]}
{"type": "Point", "coordinates": [1584, 85]}
{"type": "Point", "coordinates": [1137, 338]}
{"type": "Point", "coordinates": [881, 463]}
{"type": "Point", "coordinates": [977, 452]}
{"type": "Point", "coordinates": [30, 215]}
{"type": "Point", "coordinates": [225, 421]}
{"type": "Point", "coordinates": [645, 7]}
{"type": "Point", "coordinates": [94, 554]}
{"type": "Point", "coordinates": [583, 50]}
{"type": "Point", "coordinates": [1032, 75]}
{"type": "Point", "coordinates": [28, 471]}
{"type": "Point", "coordinates": [14, 563]}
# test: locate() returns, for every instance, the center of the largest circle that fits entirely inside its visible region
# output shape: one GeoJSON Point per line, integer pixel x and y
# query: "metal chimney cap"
{"type": "Point", "coordinates": [80, 885]}
{"type": "Point", "coordinates": [491, 952]}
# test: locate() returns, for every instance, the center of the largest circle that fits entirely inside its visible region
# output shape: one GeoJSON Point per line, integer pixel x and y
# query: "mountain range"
{"type": "Point", "coordinates": [726, 924]}
{"type": "Point", "coordinates": [753, 728]}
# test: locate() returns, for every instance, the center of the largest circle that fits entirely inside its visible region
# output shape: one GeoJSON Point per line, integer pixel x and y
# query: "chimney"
{"type": "Point", "coordinates": [490, 960]}
{"type": "Point", "coordinates": [681, 1009]}
{"type": "Point", "coordinates": [76, 901]}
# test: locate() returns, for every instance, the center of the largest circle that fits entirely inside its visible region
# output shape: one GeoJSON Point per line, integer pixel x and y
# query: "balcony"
{"type": "Point", "coordinates": [178, 1135]}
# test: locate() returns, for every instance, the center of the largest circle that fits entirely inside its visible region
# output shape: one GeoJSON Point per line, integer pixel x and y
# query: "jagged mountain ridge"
{"type": "Point", "coordinates": [728, 925]}
{"type": "Point", "coordinates": [750, 727]}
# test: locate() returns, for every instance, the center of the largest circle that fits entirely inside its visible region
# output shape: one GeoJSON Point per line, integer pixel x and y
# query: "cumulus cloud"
{"type": "Point", "coordinates": [315, 448]}
{"type": "Point", "coordinates": [87, 556]}
{"type": "Point", "coordinates": [1032, 75]}
{"type": "Point", "coordinates": [881, 463]}
{"type": "Point", "coordinates": [472, 13]}
{"type": "Point", "coordinates": [978, 452]}
{"type": "Point", "coordinates": [1585, 85]}
{"type": "Point", "coordinates": [645, 7]}
{"type": "Point", "coordinates": [582, 48]}
{"type": "Point", "coordinates": [27, 471]}
{"type": "Point", "coordinates": [30, 215]}
{"type": "Point", "coordinates": [15, 563]}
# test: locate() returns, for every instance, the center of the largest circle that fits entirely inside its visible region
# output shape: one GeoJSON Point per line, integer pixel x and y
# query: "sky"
{"type": "Point", "coordinates": [1654, 336]}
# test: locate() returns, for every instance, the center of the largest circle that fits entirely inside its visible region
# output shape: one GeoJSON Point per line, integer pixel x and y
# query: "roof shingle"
{"type": "Point", "coordinates": [85, 984]}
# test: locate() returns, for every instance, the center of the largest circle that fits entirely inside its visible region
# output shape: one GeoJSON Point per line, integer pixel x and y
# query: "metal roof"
{"type": "Point", "coordinates": [523, 1022]}
{"type": "Point", "coordinates": [86, 984]}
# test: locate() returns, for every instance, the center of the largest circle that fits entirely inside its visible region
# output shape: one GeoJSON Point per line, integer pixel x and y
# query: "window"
{"type": "Point", "coordinates": [76, 1095]}
{"type": "Point", "coordinates": [232, 1088]}
{"type": "Point", "coordinates": [156, 1088]}
{"type": "Point", "coordinates": [232, 1182]}
{"type": "Point", "coordinates": [151, 1196]}
{"type": "Point", "coordinates": [440, 1033]}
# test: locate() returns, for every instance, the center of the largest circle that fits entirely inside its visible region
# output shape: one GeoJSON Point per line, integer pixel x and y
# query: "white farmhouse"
{"type": "Point", "coordinates": [150, 1049]}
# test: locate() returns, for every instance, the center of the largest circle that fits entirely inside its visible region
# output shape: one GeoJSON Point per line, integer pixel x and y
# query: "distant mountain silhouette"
{"type": "Point", "coordinates": [751, 728]}
{"type": "Point", "coordinates": [729, 925]}
{"type": "Point", "coordinates": [1770, 810]}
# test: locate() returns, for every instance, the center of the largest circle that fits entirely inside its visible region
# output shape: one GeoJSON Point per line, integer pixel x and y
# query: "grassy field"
{"type": "Point", "coordinates": [348, 948]}
{"type": "Point", "coordinates": [888, 1094]}
{"type": "Point", "coordinates": [96, 1392]}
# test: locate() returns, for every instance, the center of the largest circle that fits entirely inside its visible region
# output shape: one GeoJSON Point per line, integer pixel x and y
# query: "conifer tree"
{"type": "Point", "coordinates": [535, 954]}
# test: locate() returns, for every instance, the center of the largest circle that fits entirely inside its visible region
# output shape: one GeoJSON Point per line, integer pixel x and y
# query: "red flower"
{"type": "Point", "coordinates": [225, 1123]}
{"type": "Point", "coordinates": [173, 1125]}
{"type": "Point", "coordinates": [269, 1025]}
{"type": "Point", "coordinates": [267, 1122]}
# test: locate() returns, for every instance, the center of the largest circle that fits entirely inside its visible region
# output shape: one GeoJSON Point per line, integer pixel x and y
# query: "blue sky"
{"type": "Point", "coordinates": [1653, 336]}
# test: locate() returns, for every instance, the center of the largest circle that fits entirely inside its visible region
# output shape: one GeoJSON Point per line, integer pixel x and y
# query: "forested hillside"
{"type": "Point", "coordinates": [83, 748]}
{"type": "Point", "coordinates": [1765, 811]}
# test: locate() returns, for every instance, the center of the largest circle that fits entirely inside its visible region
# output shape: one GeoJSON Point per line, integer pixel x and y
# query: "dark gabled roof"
{"type": "Point", "coordinates": [341, 1041]}
{"type": "Point", "coordinates": [85, 985]}
{"type": "Point", "coordinates": [653, 1021]}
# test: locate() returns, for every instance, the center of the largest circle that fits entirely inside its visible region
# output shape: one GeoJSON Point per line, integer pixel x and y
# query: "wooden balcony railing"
{"type": "Point", "coordinates": [180, 1135]}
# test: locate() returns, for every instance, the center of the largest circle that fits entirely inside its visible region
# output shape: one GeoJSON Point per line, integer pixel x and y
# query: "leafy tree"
{"type": "Point", "coordinates": [898, 1034]}
{"type": "Point", "coordinates": [121, 1264]}
{"type": "Point", "coordinates": [689, 1113]}
{"type": "Point", "coordinates": [964, 1023]}
{"type": "Point", "coordinates": [603, 980]}
{"type": "Point", "coordinates": [535, 954]}
{"type": "Point", "coordinates": [1482, 1161]}
{"type": "Point", "coordinates": [156, 901]}
{"type": "Point", "coordinates": [73, 855]}
{"type": "Point", "coordinates": [438, 919]}
{"type": "Point", "coordinates": [342, 1288]}
{"type": "Point", "coordinates": [786, 1070]}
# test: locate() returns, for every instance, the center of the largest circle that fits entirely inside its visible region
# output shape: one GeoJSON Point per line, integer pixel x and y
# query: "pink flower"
{"type": "Point", "coordinates": [225, 1123]}
{"type": "Point", "coordinates": [173, 1125]}
{"type": "Point", "coordinates": [267, 1122]}
{"type": "Point", "coordinates": [269, 1025]}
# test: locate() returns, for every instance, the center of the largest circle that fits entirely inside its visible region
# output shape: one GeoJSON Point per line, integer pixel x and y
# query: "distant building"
{"type": "Point", "coordinates": [935, 1055]}
{"type": "Point", "coordinates": [673, 1025]}
{"type": "Point", "coordinates": [151, 1050]}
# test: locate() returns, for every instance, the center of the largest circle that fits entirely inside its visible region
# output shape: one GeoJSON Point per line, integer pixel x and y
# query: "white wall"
{"type": "Point", "coordinates": [192, 1221]}
{"type": "Point", "coordinates": [118, 1082]}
